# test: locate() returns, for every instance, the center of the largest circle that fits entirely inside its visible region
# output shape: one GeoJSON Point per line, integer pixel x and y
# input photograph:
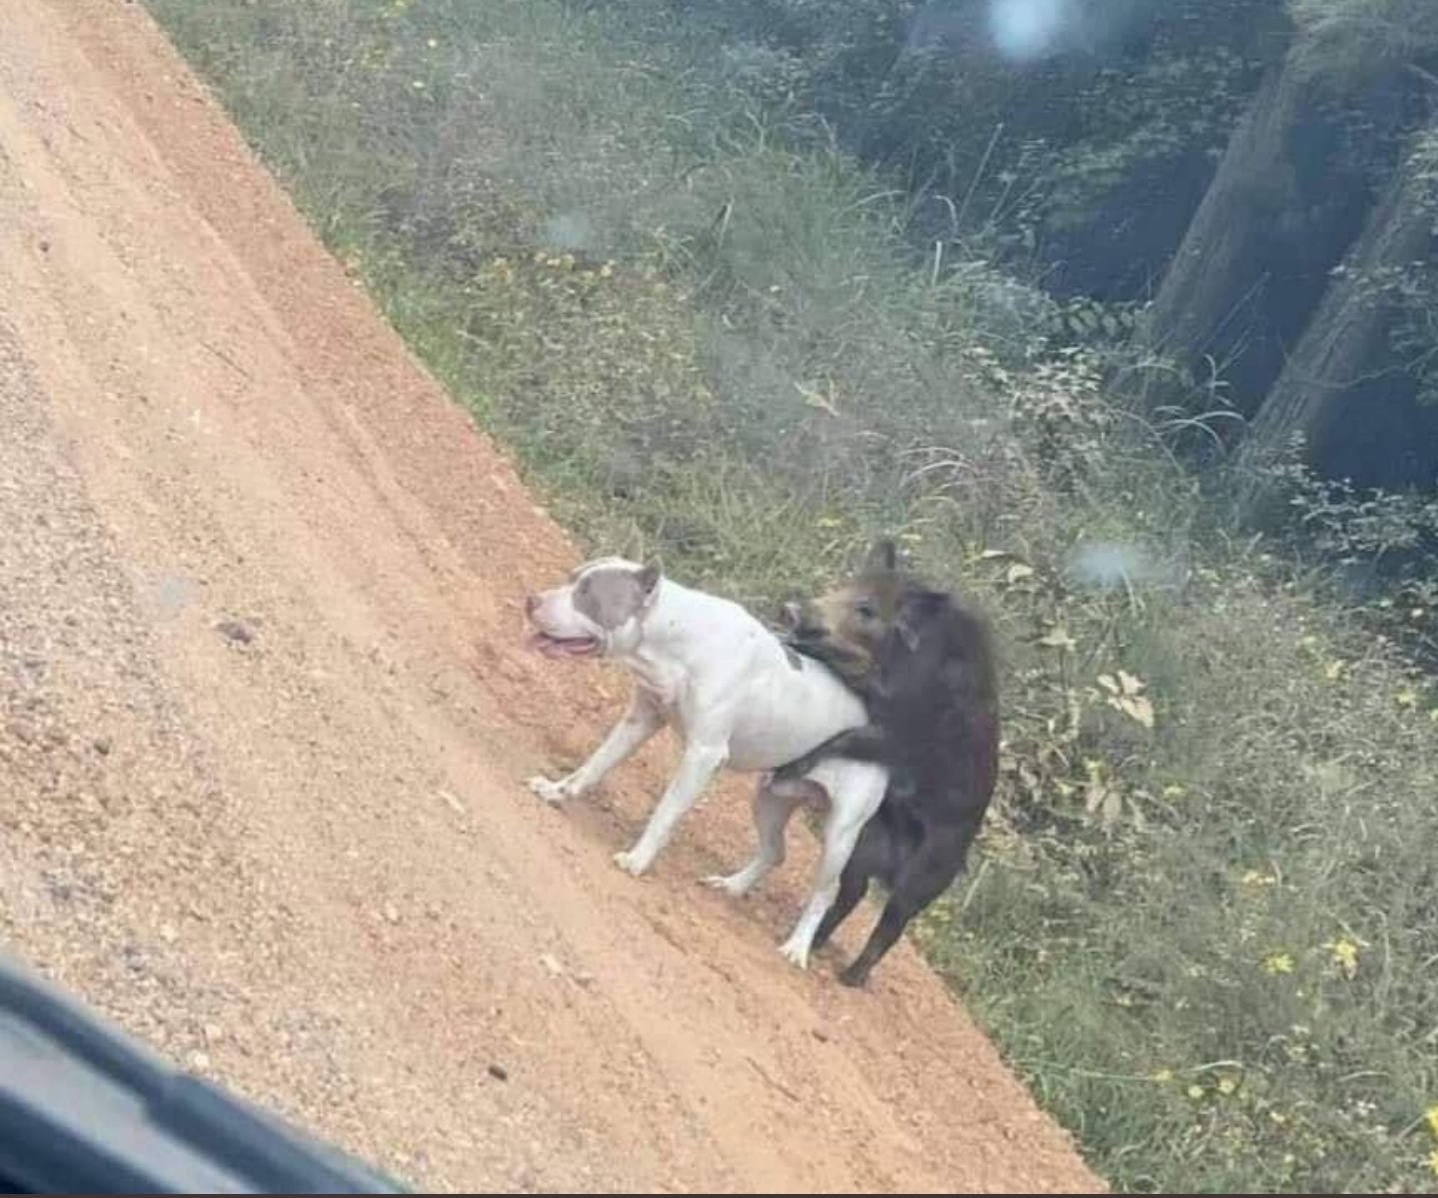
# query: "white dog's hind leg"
{"type": "Point", "coordinates": [772, 809]}
{"type": "Point", "coordinates": [641, 721]}
{"type": "Point", "coordinates": [702, 759]}
{"type": "Point", "coordinates": [855, 795]}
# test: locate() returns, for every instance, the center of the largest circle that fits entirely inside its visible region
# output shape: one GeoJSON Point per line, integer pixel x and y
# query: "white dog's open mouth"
{"type": "Point", "coordinates": [564, 646]}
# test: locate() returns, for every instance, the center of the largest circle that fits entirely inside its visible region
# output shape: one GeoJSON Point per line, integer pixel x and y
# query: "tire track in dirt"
{"type": "Point", "coordinates": [265, 712]}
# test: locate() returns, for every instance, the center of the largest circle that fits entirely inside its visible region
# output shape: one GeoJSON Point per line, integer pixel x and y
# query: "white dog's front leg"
{"type": "Point", "coordinates": [855, 794]}
{"type": "Point", "coordinates": [702, 759]}
{"type": "Point", "coordinates": [641, 721]}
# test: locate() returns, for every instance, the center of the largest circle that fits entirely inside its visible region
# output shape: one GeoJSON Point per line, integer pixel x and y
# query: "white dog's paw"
{"type": "Point", "coordinates": [549, 791]}
{"type": "Point", "coordinates": [632, 863]}
{"type": "Point", "coordinates": [734, 885]}
{"type": "Point", "coordinates": [796, 953]}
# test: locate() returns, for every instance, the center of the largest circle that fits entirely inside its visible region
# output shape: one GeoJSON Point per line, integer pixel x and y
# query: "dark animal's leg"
{"type": "Point", "coordinates": [869, 743]}
{"type": "Point", "coordinates": [865, 862]}
{"type": "Point", "coordinates": [844, 662]}
{"type": "Point", "coordinates": [853, 885]}
{"type": "Point", "coordinates": [925, 875]}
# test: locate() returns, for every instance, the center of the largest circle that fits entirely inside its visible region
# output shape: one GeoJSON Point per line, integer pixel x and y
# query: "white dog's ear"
{"type": "Point", "coordinates": [649, 577]}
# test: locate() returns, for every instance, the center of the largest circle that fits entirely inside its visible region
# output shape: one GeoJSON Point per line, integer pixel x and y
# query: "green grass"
{"type": "Point", "coordinates": [1208, 944]}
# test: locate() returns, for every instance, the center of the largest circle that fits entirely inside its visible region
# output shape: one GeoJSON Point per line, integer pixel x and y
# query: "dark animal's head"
{"type": "Point", "coordinates": [858, 624]}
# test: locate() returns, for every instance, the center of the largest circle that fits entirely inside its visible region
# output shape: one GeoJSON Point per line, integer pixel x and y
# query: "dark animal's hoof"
{"type": "Point", "coordinates": [853, 978]}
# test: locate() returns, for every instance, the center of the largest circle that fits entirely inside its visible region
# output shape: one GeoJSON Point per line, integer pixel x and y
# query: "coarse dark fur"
{"type": "Point", "coordinates": [924, 665]}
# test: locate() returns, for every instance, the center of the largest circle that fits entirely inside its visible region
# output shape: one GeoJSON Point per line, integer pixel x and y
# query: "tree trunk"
{"type": "Point", "coordinates": [1347, 337]}
{"type": "Point", "coordinates": [1220, 266]}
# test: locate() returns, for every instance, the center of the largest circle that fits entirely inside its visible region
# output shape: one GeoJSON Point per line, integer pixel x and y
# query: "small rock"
{"type": "Point", "coordinates": [451, 802]}
{"type": "Point", "coordinates": [514, 670]}
{"type": "Point", "coordinates": [168, 933]}
{"type": "Point", "coordinates": [821, 1035]}
{"type": "Point", "coordinates": [552, 965]}
{"type": "Point", "coordinates": [236, 632]}
{"type": "Point", "coordinates": [499, 1073]}
{"type": "Point", "coordinates": [199, 1061]}
{"type": "Point", "coordinates": [102, 745]}
{"type": "Point", "coordinates": [391, 913]}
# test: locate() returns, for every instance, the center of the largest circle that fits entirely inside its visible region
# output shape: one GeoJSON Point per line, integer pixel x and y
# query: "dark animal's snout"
{"type": "Point", "coordinates": [802, 623]}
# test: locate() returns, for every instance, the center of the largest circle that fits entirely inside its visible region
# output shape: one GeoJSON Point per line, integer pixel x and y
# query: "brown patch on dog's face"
{"type": "Point", "coordinates": [596, 612]}
{"type": "Point", "coordinates": [612, 596]}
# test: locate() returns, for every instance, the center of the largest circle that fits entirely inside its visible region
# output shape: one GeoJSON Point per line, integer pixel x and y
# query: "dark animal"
{"type": "Point", "coordinates": [924, 664]}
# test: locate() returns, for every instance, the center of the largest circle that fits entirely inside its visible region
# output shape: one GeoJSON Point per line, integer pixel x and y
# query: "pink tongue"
{"type": "Point", "coordinates": [551, 647]}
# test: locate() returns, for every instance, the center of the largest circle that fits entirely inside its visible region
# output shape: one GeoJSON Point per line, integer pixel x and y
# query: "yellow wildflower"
{"type": "Point", "coordinates": [1227, 1085]}
{"type": "Point", "coordinates": [1277, 963]}
{"type": "Point", "coordinates": [1195, 1092]}
{"type": "Point", "coordinates": [1430, 1117]}
{"type": "Point", "coordinates": [1433, 1161]}
{"type": "Point", "coordinates": [1345, 954]}
{"type": "Point", "coordinates": [1166, 1075]}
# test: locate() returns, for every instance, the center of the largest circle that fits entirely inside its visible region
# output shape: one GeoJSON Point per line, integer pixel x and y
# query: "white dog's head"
{"type": "Point", "coordinates": [597, 612]}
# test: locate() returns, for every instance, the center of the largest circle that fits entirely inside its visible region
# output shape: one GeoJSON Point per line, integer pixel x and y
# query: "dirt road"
{"type": "Point", "coordinates": [264, 712]}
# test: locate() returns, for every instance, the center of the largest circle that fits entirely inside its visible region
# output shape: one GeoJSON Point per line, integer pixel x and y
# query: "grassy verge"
{"type": "Point", "coordinates": [1202, 926]}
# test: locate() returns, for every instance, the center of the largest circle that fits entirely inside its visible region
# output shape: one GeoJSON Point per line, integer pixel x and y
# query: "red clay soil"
{"type": "Point", "coordinates": [265, 715]}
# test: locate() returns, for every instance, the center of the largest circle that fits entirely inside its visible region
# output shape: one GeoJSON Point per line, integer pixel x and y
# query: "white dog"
{"type": "Point", "coordinates": [735, 695]}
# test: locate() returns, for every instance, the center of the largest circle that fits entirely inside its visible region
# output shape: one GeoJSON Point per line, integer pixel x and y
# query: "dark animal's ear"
{"type": "Point", "coordinates": [649, 577]}
{"type": "Point", "coordinates": [919, 607]}
{"type": "Point", "coordinates": [884, 555]}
